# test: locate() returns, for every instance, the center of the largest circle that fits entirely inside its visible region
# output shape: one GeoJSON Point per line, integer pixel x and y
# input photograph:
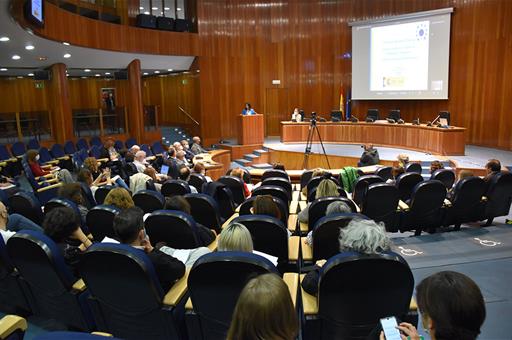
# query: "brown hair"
{"type": "Point", "coordinates": [31, 155]}
{"type": "Point", "coordinates": [493, 165]}
{"type": "Point", "coordinates": [435, 165]}
{"type": "Point", "coordinates": [91, 164]}
{"type": "Point", "coordinates": [85, 176]}
{"type": "Point", "coordinates": [403, 159]}
{"type": "Point", "coordinates": [151, 173]}
{"type": "Point", "coordinates": [237, 172]}
{"type": "Point", "coordinates": [72, 192]}
{"type": "Point", "coordinates": [119, 197]}
{"type": "Point", "coordinates": [278, 166]}
{"type": "Point", "coordinates": [264, 311]}
{"type": "Point", "coordinates": [265, 205]}
{"type": "Point", "coordinates": [199, 167]}
{"type": "Point", "coordinates": [397, 171]}
{"type": "Point", "coordinates": [177, 203]}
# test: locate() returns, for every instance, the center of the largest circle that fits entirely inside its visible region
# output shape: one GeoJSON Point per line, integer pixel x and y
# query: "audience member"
{"type": "Point", "coordinates": [396, 171]}
{"type": "Point", "coordinates": [139, 182]}
{"type": "Point", "coordinates": [73, 192]}
{"type": "Point", "coordinates": [239, 172]}
{"type": "Point", "coordinates": [33, 161]}
{"type": "Point", "coordinates": [120, 198]}
{"type": "Point", "coordinates": [181, 160]}
{"type": "Point", "coordinates": [264, 311]}
{"type": "Point", "coordinates": [435, 165]}
{"type": "Point", "coordinates": [337, 207]}
{"type": "Point", "coordinates": [278, 166]}
{"type": "Point", "coordinates": [235, 237]}
{"type": "Point", "coordinates": [91, 164]}
{"type": "Point", "coordinates": [134, 149]}
{"type": "Point", "coordinates": [265, 205]}
{"type": "Point", "coordinates": [196, 147]}
{"type": "Point", "coordinates": [10, 224]}
{"type": "Point", "coordinates": [462, 174]}
{"type": "Point", "coordinates": [108, 151]}
{"type": "Point", "coordinates": [151, 172]}
{"type": "Point", "coordinates": [326, 188]}
{"type": "Point", "coordinates": [188, 154]}
{"type": "Point", "coordinates": [184, 175]}
{"type": "Point", "coordinates": [63, 227]}
{"type": "Point", "coordinates": [369, 157]}
{"type": "Point", "coordinates": [493, 167]}
{"type": "Point", "coordinates": [129, 229]}
{"type": "Point", "coordinates": [199, 168]}
{"type": "Point", "coordinates": [296, 116]}
{"type": "Point", "coordinates": [316, 172]}
{"type": "Point", "coordinates": [140, 161]}
{"type": "Point", "coordinates": [179, 203]}
{"type": "Point", "coordinates": [362, 236]}
{"type": "Point", "coordinates": [451, 305]}
{"type": "Point", "coordinates": [403, 160]}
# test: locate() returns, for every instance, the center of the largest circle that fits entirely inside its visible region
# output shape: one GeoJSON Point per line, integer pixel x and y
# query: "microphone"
{"type": "Point", "coordinates": [353, 119]}
{"type": "Point", "coordinates": [416, 121]}
{"type": "Point", "coordinates": [370, 120]}
{"type": "Point", "coordinates": [401, 121]}
{"type": "Point", "coordinates": [391, 120]}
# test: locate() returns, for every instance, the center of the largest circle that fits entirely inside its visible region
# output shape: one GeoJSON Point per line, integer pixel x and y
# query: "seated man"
{"type": "Point", "coordinates": [10, 224]}
{"type": "Point", "coordinates": [188, 154]}
{"type": "Point", "coordinates": [493, 167]}
{"type": "Point", "coordinates": [140, 161]}
{"type": "Point", "coordinates": [184, 175]}
{"type": "Point", "coordinates": [129, 229]}
{"type": "Point", "coordinates": [180, 159]}
{"type": "Point", "coordinates": [196, 147]}
{"type": "Point", "coordinates": [369, 157]}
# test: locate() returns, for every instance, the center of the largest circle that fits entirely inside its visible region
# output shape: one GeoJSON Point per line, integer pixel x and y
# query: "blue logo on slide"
{"type": "Point", "coordinates": [421, 32]}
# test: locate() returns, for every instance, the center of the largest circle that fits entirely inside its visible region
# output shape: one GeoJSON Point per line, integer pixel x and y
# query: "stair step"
{"type": "Point", "coordinates": [262, 166]}
{"type": "Point", "coordinates": [259, 152]}
{"type": "Point", "coordinates": [242, 161]}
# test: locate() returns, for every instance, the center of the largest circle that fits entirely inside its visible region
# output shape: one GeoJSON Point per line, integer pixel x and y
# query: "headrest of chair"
{"type": "Point", "coordinates": [235, 256]}
{"type": "Point", "coordinates": [338, 217]}
{"type": "Point", "coordinates": [391, 120]}
{"type": "Point", "coordinates": [258, 218]}
{"type": "Point", "coordinates": [354, 119]}
{"type": "Point", "coordinates": [401, 121]}
{"type": "Point", "coordinates": [349, 256]}
{"type": "Point", "coordinates": [174, 213]}
{"type": "Point", "coordinates": [152, 193]}
{"type": "Point", "coordinates": [106, 207]}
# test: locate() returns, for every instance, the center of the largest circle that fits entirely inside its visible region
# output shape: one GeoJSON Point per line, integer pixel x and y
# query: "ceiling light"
{"type": "Point", "coordinates": [3, 69]}
{"type": "Point", "coordinates": [178, 9]}
{"type": "Point", "coordinates": [157, 72]}
{"type": "Point", "coordinates": [65, 43]}
{"type": "Point", "coordinates": [30, 74]}
{"type": "Point", "coordinates": [166, 8]}
{"type": "Point", "coordinates": [43, 58]}
{"type": "Point", "coordinates": [161, 12]}
{"type": "Point", "coordinates": [107, 73]}
{"type": "Point", "coordinates": [170, 69]}
{"type": "Point", "coordinates": [19, 77]}
{"type": "Point", "coordinates": [83, 77]}
{"type": "Point", "coordinates": [97, 75]}
{"type": "Point", "coordinates": [141, 8]}
{"type": "Point", "coordinates": [4, 39]}
{"type": "Point", "coordinates": [87, 70]}
{"type": "Point", "coordinates": [154, 8]}
{"type": "Point", "coordinates": [67, 55]}
{"type": "Point", "coordinates": [147, 13]}
{"type": "Point", "coordinates": [145, 73]}
{"type": "Point", "coordinates": [16, 57]}
{"type": "Point", "coordinates": [29, 47]}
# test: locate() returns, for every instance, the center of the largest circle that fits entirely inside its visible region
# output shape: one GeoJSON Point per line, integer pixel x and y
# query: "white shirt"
{"type": "Point", "coordinates": [140, 166]}
{"type": "Point", "coordinates": [6, 234]}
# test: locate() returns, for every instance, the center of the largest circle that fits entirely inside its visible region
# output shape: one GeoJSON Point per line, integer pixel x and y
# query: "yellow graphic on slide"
{"type": "Point", "coordinates": [393, 81]}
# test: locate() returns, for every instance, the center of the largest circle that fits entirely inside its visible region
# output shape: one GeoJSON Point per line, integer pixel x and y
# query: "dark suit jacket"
{"type": "Point", "coordinates": [167, 268]}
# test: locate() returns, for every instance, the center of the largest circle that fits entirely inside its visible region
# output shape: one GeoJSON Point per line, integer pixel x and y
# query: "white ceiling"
{"type": "Point", "coordinates": [98, 61]}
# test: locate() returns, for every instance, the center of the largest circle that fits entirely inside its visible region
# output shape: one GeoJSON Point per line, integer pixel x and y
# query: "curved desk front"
{"type": "Point", "coordinates": [424, 138]}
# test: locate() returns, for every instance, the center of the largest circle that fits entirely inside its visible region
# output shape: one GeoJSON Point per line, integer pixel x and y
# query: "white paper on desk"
{"type": "Point", "coordinates": [180, 254]}
{"type": "Point", "coordinates": [8, 187]}
{"type": "Point", "coordinates": [271, 258]}
{"type": "Point", "coordinates": [107, 239]}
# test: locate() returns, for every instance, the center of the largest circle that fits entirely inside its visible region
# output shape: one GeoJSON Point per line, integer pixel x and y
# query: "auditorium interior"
{"type": "Point", "coordinates": [193, 122]}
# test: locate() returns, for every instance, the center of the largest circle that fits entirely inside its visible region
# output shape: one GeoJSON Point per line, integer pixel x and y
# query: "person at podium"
{"type": "Point", "coordinates": [248, 110]}
{"type": "Point", "coordinates": [296, 116]}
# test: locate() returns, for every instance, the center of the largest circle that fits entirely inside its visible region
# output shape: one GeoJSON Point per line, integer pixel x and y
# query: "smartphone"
{"type": "Point", "coordinates": [389, 327]}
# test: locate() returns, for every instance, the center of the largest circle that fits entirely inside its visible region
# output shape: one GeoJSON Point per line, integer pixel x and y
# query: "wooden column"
{"type": "Point", "coordinates": [61, 114]}
{"type": "Point", "coordinates": [135, 108]}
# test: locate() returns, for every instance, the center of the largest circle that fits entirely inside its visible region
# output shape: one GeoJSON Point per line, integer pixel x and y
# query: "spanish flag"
{"type": "Point", "coordinates": [342, 106]}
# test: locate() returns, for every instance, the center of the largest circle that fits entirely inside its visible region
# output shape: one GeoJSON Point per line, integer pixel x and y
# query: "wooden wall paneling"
{"type": "Point", "coordinates": [22, 95]}
{"type": "Point", "coordinates": [276, 110]}
{"type": "Point", "coordinates": [60, 103]}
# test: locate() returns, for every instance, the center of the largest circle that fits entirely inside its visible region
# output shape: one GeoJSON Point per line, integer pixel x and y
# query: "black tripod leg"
{"type": "Point", "coordinates": [323, 148]}
{"type": "Point", "coordinates": [309, 143]}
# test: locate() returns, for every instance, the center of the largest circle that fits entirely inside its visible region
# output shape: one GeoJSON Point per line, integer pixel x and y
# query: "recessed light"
{"type": "Point", "coordinates": [107, 73]}
{"type": "Point", "coordinates": [30, 74]}
{"type": "Point", "coordinates": [29, 47]}
{"type": "Point", "coordinates": [154, 8]}
{"type": "Point", "coordinates": [83, 77]}
{"type": "Point", "coordinates": [166, 8]}
{"type": "Point", "coordinates": [147, 13]}
{"type": "Point", "coordinates": [65, 43]}
{"type": "Point", "coordinates": [178, 9]}
{"type": "Point", "coordinates": [87, 70]}
{"type": "Point", "coordinates": [141, 8]}
{"type": "Point", "coordinates": [16, 57]}
{"type": "Point", "coordinates": [3, 69]}
{"type": "Point", "coordinates": [170, 69]}
{"type": "Point", "coordinates": [67, 55]}
{"type": "Point", "coordinates": [161, 12]}
{"type": "Point", "coordinates": [19, 77]}
{"type": "Point", "coordinates": [97, 75]}
{"type": "Point", "coordinates": [4, 39]}
{"type": "Point", "coordinates": [157, 72]}
{"type": "Point", "coordinates": [145, 73]}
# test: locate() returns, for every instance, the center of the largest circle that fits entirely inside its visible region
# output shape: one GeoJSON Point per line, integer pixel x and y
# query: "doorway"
{"type": "Point", "coordinates": [276, 110]}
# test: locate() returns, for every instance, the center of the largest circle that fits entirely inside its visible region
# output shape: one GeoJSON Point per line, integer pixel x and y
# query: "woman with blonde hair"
{"type": "Point", "coordinates": [120, 198]}
{"type": "Point", "coordinates": [326, 188]}
{"type": "Point", "coordinates": [403, 160]}
{"type": "Point", "coordinates": [264, 311]}
{"type": "Point", "coordinates": [235, 237]}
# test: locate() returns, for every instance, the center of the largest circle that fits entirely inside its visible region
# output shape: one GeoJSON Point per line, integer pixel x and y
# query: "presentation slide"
{"type": "Point", "coordinates": [407, 58]}
{"type": "Point", "coordinates": [37, 9]}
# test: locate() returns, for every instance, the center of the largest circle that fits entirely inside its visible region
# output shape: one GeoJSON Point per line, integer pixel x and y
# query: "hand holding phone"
{"type": "Point", "coordinates": [389, 327]}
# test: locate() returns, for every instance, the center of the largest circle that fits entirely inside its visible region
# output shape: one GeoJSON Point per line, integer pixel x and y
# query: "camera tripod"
{"type": "Point", "coordinates": [312, 129]}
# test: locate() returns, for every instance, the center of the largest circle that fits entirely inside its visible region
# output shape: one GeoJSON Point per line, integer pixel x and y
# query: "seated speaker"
{"type": "Point", "coordinates": [372, 115]}
{"type": "Point", "coordinates": [394, 115]}
{"type": "Point", "coordinates": [445, 115]}
{"type": "Point", "coordinates": [336, 116]}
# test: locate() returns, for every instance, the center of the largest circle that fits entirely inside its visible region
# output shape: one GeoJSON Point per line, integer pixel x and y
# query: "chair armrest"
{"type": "Point", "coordinates": [292, 222]}
{"type": "Point", "coordinates": [53, 186]}
{"type": "Point", "coordinates": [177, 291]}
{"type": "Point", "coordinates": [447, 203]}
{"type": "Point", "coordinates": [302, 205]}
{"type": "Point", "coordinates": [79, 285]}
{"type": "Point", "coordinates": [307, 250]}
{"type": "Point", "coordinates": [103, 334]}
{"type": "Point", "coordinates": [293, 248]}
{"type": "Point", "coordinates": [213, 246]}
{"type": "Point", "coordinates": [292, 281]}
{"type": "Point", "coordinates": [45, 177]}
{"type": "Point", "coordinates": [413, 306]}
{"type": "Point", "coordinates": [46, 166]}
{"type": "Point", "coordinates": [51, 163]}
{"type": "Point", "coordinates": [188, 304]}
{"type": "Point", "coordinates": [294, 206]}
{"type": "Point", "coordinates": [12, 159]}
{"type": "Point", "coordinates": [309, 302]}
{"type": "Point", "coordinates": [237, 210]}
{"type": "Point", "coordinates": [10, 323]}
{"type": "Point", "coordinates": [53, 180]}
{"type": "Point", "coordinates": [402, 205]}
{"type": "Point", "coordinates": [228, 221]}
{"type": "Point", "coordinates": [303, 227]}
{"type": "Point", "coordinates": [150, 158]}
{"type": "Point", "coordinates": [3, 163]}
{"type": "Point", "coordinates": [102, 160]}
{"type": "Point", "coordinates": [158, 155]}
{"type": "Point", "coordinates": [295, 195]}
{"type": "Point", "coordinates": [63, 158]}
{"type": "Point", "coordinates": [303, 197]}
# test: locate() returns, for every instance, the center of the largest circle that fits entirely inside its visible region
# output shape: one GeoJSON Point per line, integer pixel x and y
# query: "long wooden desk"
{"type": "Point", "coordinates": [216, 162]}
{"type": "Point", "coordinates": [435, 140]}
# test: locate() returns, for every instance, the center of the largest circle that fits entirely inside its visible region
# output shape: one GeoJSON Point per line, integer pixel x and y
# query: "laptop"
{"type": "Point", "coordinates": [164, 170]}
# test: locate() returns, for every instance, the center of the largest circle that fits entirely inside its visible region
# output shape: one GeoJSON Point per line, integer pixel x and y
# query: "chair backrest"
{"type": "Point", "coordinates": [57, 150]}
{"type": "Point", "coordinates": [273, 191]}
{"type": "Point", "coordinates": [275, 173]}
{"type": "Point", "coordinates": [197, 181]}
{"type": "Point", "coordinates": [130, 142]}
{"type": "Point", "coordinates": [373, 114]}
{"type": "Point", "coordinates": [204, 210]}
{"type": "Point", "coordinates": [4, 153]}
{"type": "Point", "coordinates": [380, 203]}
{"type": "Point", "coordinates": [18, 149]}
{"type": "Point", "coordinates": [236, 185]}
{"type": "Point", "coordinates": [214, 300]}
{"type": "Point", "coordinates": [446, 176]}
{"type": "Point", "coordinates": [278, 182]}
{"type": "Point", "coordinates": [82, 144]}
{"type": "Point", "coordinates": [351, 300]}
{"type": "Point", "coordinates": [149, 200]}
{"type": "Point", "coordinates": [100, 221]}
{"type": "Point", "coordinates": [33, 143]}
{"type": "Point", "coordinates": [147, 150]}
{"type": "Point", "coordinates": [245, 208]}
{"type": "Point", "coordinates": [413, 167]}
{"type": "Point", "coordinates": [361, 186]}
{"type": "Point", "coordinates": [128, 300]}
{"type": "Point", "coordinates": [313, 183]}
{"type": "Point", "coordinates": [101, 193]}
{"type": "Point", "coordinates": [406, 182]}
{"type": "Point", "coordinates": [95, 151]}
{"type": "Point", "coordinates": [318, 207]}
{"type": "Point", "coordinates": [176, 228]}
{"type": "Point", "coordinates": [26, 204]}
{"type": "Point", "coordinates": [427, 198]}
{"type": "Point", "coordinates": [157, 148]}
{"type": "Point", "coordinates": [499, 195]}
{"type": "Point", "coordinates": [305, 177]}
{"type": "Point", "coordinates": [326, 234]}
{"type": "Point", "coordinates": [269, 235]}
{"type": "Point", "coordinates": [69, 147]}
{"type": "Point", "coordinates": [44, 155]}
{"type": "Point", "coordinates": [96, 141]}
{"type": "Point", "coordinates": [384, 172]}
{"type": "Point", "coordinates": [223, 196]}
{"type": "Point", "coordinates": [175, 187]}
{"type": "Point", "coordinates": [394, 114]}
{"type": "Point", "coordinates": [118, 145]}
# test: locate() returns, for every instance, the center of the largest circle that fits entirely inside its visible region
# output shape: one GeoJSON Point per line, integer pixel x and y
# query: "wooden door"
{"type": "Point", "coordinates": [276, 110]}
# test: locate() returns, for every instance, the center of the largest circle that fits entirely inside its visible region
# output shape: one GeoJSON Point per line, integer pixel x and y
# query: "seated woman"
{"type": "Point", "coordinates": [326, 188]}
{"type": "Point", "coordinates": [10, 224]}
{"type": "Point", "coordinates": [462, 174]}
{"type": "Point", "coordinates": [206, 235]}
{"type": "Point", "coordinates": [265, 205]}
{"type": "Point", "coordinates": [316, 172]}
{"type": "Point", "coordinates": [363, 236]}
{"type": "Point", "coordinates": [91, 164]}
{"type": "Point", "coordinates": [338, 207]}
{"type": "Point", "coordinates": [452, 307]}
{"type": "Point", "coordinates": [100, 177]}
{"type": "Point", "coordinates": [120, 198]}
{"type": "Point", "coordinates": [238, 172]}
{"type": "Point", "coordinates": [33, 161]}
{"type": "Point", "coordinates": [199, 168]}
{"type": "Point", "coordinates": [403, 160]}
{"type": "Point", "coordinates": [63, 227]}
{"type": "Point", "coordinates": [264, 311]}
{"type": "Point", "coordinates": [73, 192]}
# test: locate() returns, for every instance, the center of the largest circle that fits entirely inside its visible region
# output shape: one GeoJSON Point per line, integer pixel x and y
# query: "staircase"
{"type": "Point", "coordinates": [258, 159]}
{"type": "Point", "coordinates": [425, 168]}
{"type": "Point", "coordinates": [171, 134]}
